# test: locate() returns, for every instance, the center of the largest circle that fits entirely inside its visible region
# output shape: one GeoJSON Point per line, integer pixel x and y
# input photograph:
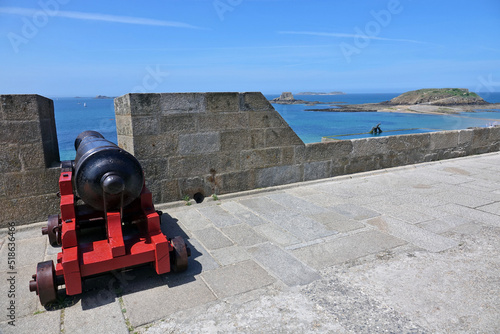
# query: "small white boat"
{"type": "Point", "coordinates": [85, 104]}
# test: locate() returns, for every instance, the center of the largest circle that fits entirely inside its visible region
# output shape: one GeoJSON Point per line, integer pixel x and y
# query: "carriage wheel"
{"type": "Point", "coordinates": [53, 230]}
{"type": "Point", "coordinates": [44, 282]}
{"type": "Point", "coordinates": [179, 256]}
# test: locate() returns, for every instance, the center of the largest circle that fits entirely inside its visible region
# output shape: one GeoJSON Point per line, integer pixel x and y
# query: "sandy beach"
{"type": "Point", "coordinates": [414, 108]}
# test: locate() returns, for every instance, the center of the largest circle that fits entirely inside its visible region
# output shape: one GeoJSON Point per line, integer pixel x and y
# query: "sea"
{"type": "Point", "coordinates": [74, 115]}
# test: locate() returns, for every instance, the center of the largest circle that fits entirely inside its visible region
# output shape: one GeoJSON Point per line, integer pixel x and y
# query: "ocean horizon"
{"type": "Point", "coordinates": [74, 115]}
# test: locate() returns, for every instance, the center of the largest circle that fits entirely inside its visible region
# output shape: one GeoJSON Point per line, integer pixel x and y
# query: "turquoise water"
{"type": "Point", "coordinates": [72, 117]}
{"type": "Point", "coordinates": [310, 126]}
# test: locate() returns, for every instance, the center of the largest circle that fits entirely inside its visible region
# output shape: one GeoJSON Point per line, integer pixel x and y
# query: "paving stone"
{"type": "Point", "coordinates": [490, 177]}
{"type": "Point", "coordinates": [51, 250]}
{"type": "Point", "coordinates": [28, 251]}
{"type": "Point", "coordinates": [434, 212]}
{"type": "Point", "coordinates": [28, 231]}
{"type": "Point", "coordinates": [337, 222]}
{"type": "Point", "coordinates": [303, 191]}
{"type": "Point", "coordinates": [243, 214]}
{"type": "Point", "coordinates": [472, 167]}
{"type": "Point", "coordinates": [365, 200]}
{"type": "Point", "coordinates": [277, 235]}
{"type": "Point", "coordinates": [212, 238]}
{"type": "Point", "coordinates": [243, 235]}
{"type": "Point", "coordinates": [474, 214]}
{"type": "Point", "coordinates": [367, 187]}
{"type": "Point", "coordinates": [26, 302]}
{"type": "Point", "coordinates": [491, 208]}
{"type": "Point", "coordinates": [444, 224]}
{"type": "Point", "coordinates": [413, 234]}
{"type": "Point", "coordinates": [347, 248]}
{"type": "Point", "coordinates": [355, 211]}
{"type": "Point", "coordinates": [325, 200]}
{"type": "Point", "coordinates": [402, 212]}
{"type": "Point", "coordinates": [442, 177]}
{"type": "Point", "coordinates": [473, 190]}
{"type": "Point", "coordinates": [334, 189]}
{"type": "Point", "coordinates": [238, 278]}
{"type": "Point", "coordinates": [283, 265]}
{"type": "Point", "coordinates": [200, 259]}
{"type": "Point", "coordinates": [191, 219]}
{"type": "Point", "coordinates": [264, 207]}
{"type": "Point", "coordinates": [482, 186]}
{"type": "Point", "coordinates": [465, 199]}
{"type": "Point", "coordinates": [231, 255]}
{"type": "Point", "coordinates": [358, 310]}
{"type": "Point", "coordinates": [304, 228]}
{"type": "Point", "coordinates": [158, 302]}
{"type": "Point", "coordinates": [50, 257]}
{"type": "Point", "coordinates": [297, 204]}
{"type": "Point", "coordinates": [416, 199]}
{"type": "Point", "coordinates": [218, 216]}
{"type": "Point", "coordinates": [97, 311]}
{"type": "Point", "coordinates": [47, 322]}
{"type": "Point", "coordinates": [413, 214]}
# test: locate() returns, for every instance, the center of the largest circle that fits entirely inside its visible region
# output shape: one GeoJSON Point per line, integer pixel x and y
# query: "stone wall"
{"type": "Point", "coordinates": [202, 143]}
{"type": "Point", "coordinates": [206, 143]}
{"type": "Point", "coordinates": [29, 159]}
{"type": "Point", "coordinates": [385, 152]}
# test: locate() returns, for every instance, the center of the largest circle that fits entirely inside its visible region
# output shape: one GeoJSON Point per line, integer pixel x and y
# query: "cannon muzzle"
{"type": "Point", "coordinates": [106, 177]}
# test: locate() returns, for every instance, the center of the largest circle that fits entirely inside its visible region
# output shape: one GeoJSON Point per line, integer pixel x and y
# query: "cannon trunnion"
{"type": "Point", "coordinates": [107, 221]}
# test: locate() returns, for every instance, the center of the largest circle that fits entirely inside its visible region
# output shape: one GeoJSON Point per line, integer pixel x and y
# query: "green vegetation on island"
{"type": "Point", "coordinates": [438, 96]}
{"type": "Point", "coordinates": [428, 100]}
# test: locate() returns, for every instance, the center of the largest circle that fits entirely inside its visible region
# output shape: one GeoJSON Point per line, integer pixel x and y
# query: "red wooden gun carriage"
{"type": "Point", "coordinates": [103, 192]}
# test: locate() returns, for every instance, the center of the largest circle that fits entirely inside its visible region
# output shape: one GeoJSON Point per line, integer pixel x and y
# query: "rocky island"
{"type": "Point", "coordinates": [287, 98]}
{"type": "Point", "coordinates": [438, 97]}
{"type": "Point", "coordinates": [430, 100]}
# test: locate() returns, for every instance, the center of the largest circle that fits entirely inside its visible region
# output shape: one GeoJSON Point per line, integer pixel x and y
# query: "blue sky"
{"type": "Point", "coordinates": [69, 47]}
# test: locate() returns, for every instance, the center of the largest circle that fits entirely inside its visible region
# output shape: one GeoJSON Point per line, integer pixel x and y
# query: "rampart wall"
{"type": "Point", "coordinates": [206, 143]}
{"type": "Point", "coordinates": [202, 144]}
{"type": "Point", "coordinates": [29, 159]}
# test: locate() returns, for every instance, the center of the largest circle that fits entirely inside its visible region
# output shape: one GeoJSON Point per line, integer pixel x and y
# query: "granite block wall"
{"type": "Point", "coordinates": [206, 143]}
{"type": "Point", "coordinates": [29, 159]}
{"type": "Point", "coordinates": [201, 144]}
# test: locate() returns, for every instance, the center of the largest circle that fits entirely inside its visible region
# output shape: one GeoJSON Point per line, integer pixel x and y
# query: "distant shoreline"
{"type": "Point", "coordinates": [412, 109]}
{"type": "Point", "coordinates": [320, 93]}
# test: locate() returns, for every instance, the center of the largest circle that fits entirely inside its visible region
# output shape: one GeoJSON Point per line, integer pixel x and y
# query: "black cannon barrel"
{"type": "Point", "coordinates": [105, 176]}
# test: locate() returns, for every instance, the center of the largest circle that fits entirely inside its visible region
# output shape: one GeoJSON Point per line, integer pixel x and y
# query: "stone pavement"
{"type": "Point", "coordinates": [405, 250]}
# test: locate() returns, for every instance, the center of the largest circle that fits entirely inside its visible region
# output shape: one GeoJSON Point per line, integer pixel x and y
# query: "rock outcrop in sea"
{"type": "Point", "coordinates": [287, 98]}
{"type": "Point", "coordinates": [438, 97]}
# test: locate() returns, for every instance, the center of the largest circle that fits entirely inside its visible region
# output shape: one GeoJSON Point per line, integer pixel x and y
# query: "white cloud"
{"type": "Point", "coordinates": [343, 35]}
{"type": "Point", "coordinates": [97, 17]}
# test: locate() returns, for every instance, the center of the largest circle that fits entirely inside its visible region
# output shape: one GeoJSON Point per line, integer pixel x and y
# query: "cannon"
{"type": "Point", "coordinates": [107, 221]}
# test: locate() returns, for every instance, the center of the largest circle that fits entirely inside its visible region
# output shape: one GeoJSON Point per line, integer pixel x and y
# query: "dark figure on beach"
{"type": "Point", "coordinates": [376, 129]}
